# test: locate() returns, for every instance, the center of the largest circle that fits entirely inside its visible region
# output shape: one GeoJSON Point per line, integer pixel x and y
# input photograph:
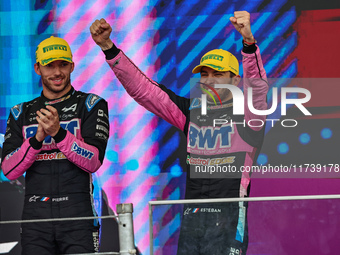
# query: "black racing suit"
{"type": "Point", "coordinates": [58, 171]}
{"type": "Point", "coordinates": [213, 228]}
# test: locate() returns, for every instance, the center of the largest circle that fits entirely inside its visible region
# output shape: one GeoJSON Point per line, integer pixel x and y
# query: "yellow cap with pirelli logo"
{"type": "Point", "coordinates": [219, 60]}
{"type": "Point", "coordinates": [52, 49]}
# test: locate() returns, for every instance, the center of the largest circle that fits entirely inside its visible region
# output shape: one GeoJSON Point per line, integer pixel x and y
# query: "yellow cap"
{"type": "Point", "coordinates": [219, 60]}
{"type": "Point", "coordinates": [52, 49]}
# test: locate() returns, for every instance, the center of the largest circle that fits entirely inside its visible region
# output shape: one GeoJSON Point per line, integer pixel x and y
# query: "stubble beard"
{"type": "Point", "coordinates": [56, 90]}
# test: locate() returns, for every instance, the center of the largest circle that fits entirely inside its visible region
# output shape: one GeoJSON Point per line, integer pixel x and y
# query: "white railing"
{"type": "Point", "coordinates": [125, 228]}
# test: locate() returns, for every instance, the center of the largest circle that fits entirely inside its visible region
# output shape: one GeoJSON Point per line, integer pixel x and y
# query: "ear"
{"type": "Point", "coordinates": [236, 80]}
{"type": "Point", "coordinates": [72, 67]}
{"type": "Point", "coordinates": [37, 68]}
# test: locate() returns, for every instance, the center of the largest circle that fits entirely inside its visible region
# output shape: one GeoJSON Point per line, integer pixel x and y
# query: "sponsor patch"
{"type": "Point", "coordinates": [101, 113]}
{"type": "Point", "coordinates": [209, 162]}
{"type": "Point", "coordinates": [187, 211]}
{"type": "Point", "coordinates": [95, 236]}
{"type": "Point", "coordinates": [66, 116]}
{"type": "Point", "coordinates": [102, 122]}
{"type": "Point", "coordinates": [33, 198]}
{"type": "Point", "coordinates": [73, 108]}
{"type": "Point", "coordinates": [209, 138]}
{"type": "Point", "coordinates": [102, 128]}
{"type": "Point", "coordinates": [71, 125]}
{"type": "Point", "coordinates": [50, 156]}
{"type": "Point", "coordinates": [16, 111]}
{"type": "Point", "coordinates": [91, 101]}
{"type": "Point", "coordinates": [81, 151]}
{"type": "Point", "coordinates": [101, 136]}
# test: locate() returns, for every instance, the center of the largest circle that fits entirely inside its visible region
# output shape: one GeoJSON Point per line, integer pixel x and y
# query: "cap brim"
{"type": "Point", "coordinates": [46, 62]}
{"type": "Point", "coordinates": [198, 68]}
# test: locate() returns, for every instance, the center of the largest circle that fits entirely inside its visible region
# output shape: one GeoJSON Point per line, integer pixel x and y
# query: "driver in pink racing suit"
{"type": "Point", "coordinates": [207, 228]}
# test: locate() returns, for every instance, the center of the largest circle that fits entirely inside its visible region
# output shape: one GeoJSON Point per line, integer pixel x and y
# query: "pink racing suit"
{"type": "Point", "coordinates": [235, 144]}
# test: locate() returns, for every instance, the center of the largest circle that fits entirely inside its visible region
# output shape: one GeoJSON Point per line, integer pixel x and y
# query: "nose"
{"type": "Point", "coordinates": [208, 80]}
{"type": "Point", "coordinates": [57, 70]}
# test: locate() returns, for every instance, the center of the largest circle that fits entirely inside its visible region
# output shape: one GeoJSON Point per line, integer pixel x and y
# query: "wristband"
{"type": "Point", "coordinates": [249, 43]}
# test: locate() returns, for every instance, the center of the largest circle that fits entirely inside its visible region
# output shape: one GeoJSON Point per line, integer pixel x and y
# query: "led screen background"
{"type": "Point", "coordinates": [145, 156]}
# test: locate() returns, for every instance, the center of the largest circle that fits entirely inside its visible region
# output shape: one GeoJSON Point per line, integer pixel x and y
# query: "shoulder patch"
{"type": "Point", "coordinates": [196, 103]}
{"type": "Point", "coordinates": [91, 101]}
{"type": "Point", "coordinates": [16, 110]}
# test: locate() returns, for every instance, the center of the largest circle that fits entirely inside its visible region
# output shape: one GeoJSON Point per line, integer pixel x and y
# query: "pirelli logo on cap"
{"type": "Point", "coordinates": [54, 47]}
{"type": "Point", "coordinates": [212, 56]}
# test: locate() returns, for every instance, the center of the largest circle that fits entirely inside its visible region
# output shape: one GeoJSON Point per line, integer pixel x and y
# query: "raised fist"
{"type": "Point", "coordinates": [241, 22]}
{"type": "Point", "coordinates": [100, 32]}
